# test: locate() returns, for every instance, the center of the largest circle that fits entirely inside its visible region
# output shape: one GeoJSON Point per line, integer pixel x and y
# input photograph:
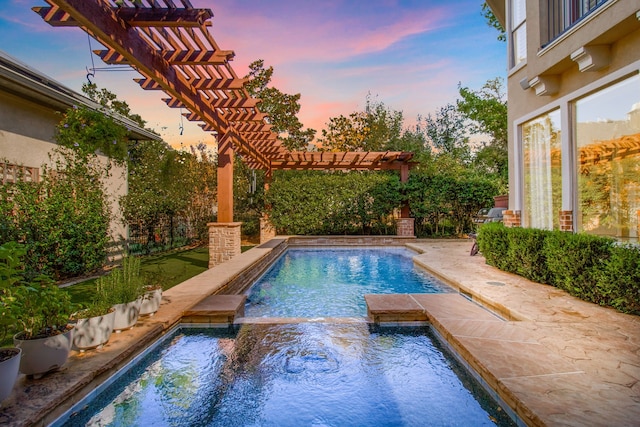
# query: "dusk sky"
{"type": "Point", "coordinates": [410, 55]}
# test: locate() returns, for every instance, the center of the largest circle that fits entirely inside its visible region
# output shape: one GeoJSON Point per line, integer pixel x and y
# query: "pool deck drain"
{"type": "Point", "coordinates": [554, 359]}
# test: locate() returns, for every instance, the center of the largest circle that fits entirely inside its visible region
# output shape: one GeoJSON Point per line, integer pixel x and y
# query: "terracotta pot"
{"type": "Point", "coordinates": [126, 315]}
{"type": "Point", "coordinates": [151, 302]}
{"type": "Point", "coordinates": [94, 332]}
{"type": "Point", "coordinates": [42, 355]}
{"type": "Point", "coordinates": [9, 371]}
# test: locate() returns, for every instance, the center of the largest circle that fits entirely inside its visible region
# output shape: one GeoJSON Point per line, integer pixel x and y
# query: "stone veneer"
{"type": "Point", "coordinates": [224, 241]}
{"type": "Point", "coordinates": [349, 240]}
{"type": "Point", "coordinates": [511, 218]}
{"type": "Point", "coordinates": [249, 276]}
{"type": "Point", "coordinates": [566, 221]}
{"type": "Point", "coordinates": [406, 227]}
{"type": "Point", "coordinates": [267, 230]}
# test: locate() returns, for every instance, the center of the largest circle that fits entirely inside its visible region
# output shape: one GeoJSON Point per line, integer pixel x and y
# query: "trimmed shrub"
{"type": "Point", "coordinates": [525, 255]}
{"type": "Point", "coordinates": [493, 242]}
{"type": "Point", "coordinates": [573, 260]}
{"type": "Point", "coordinates": [618, 281]}
{"type": "Point", "coordinates": [592, 268]}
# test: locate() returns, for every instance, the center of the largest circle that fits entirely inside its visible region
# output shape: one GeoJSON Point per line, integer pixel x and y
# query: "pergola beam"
{"type": "Point", "coordinates": [134, 16]}
{"type": "Point", "coordinates": [101, 21]}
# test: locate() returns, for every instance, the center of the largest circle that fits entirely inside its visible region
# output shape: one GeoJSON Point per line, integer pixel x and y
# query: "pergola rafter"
{"type": "Point", "coordinates": [173, 50]}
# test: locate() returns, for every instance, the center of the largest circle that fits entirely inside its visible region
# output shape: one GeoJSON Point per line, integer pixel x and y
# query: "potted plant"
{"type": "Point", "coordinates": [152, 296]}
{"type": "Point", "coordinates": [41, 313]}
{"type": "Point", "coordinates": [122, 288]}
{"type": "Point", "coordinates": [94, 325]}
{"type": "Point", "coordinates": [9, 356]}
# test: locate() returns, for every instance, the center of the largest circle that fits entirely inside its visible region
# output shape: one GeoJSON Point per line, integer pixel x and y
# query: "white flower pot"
{"type": "Point", "coordinates": [151, 302]}
{"type": "Point", "coordinates": [126, 315]}
{"type": "Point", "coordinates": [94, 332]}
{"type": "Point", "coordinates": [9, 372]}
{"type": "Point", "coordinates": [42, 355]}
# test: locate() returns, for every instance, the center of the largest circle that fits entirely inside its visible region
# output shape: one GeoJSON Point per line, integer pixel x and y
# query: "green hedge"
{"type": "Point", "coordinates": [593, 268]}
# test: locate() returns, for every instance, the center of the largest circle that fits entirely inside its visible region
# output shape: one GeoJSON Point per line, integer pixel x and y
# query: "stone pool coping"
{"type": "Point", "coordinates": [554, 359]}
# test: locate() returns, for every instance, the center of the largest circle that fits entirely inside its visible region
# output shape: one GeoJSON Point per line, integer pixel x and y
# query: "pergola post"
{"type": "Point", "coordinates": [405, 222]}
{"type": "Point", "coordinates": [224, 235]}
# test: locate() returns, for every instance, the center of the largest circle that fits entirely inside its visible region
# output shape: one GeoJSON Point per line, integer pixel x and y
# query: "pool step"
{"type": "Point", "coordinates": [394, 308]}
{"type": "Point", "coordinates": [216, 309]}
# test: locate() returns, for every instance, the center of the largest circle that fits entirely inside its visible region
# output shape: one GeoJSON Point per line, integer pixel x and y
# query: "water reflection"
{"type": "Point", "coordinates": [293, 375]}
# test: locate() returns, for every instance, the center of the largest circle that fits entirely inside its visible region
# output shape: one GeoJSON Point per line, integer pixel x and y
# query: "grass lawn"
{"type": "Point", "coordinates": [170, 268]}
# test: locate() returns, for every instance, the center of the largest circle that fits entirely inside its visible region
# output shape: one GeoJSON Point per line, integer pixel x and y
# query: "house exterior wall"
{"type": "Point", "coordinates": [607, 41]}
{"type": "Point", "coordinates": [26, 138]}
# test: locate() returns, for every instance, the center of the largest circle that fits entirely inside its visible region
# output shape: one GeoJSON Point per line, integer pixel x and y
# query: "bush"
{"type": "Point", "coordinates": [318, 203]}
{"type": "Point", "coordinates": [618, 281]}
{"type": "Point", "coordinates": [493, 241]}
{"type": "Point", "coordinates": [63, 220]}
{"type": "Point", "coordinates": [525, 254]}
{"type": "Point", "coordinates": [592, 268]}
{"type": "Point", "coordinates": [573, 261]}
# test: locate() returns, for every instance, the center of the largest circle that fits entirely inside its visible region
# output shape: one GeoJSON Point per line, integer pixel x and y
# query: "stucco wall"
{"type": "Point", "coordinates": [616, 25]}
{"type": "Point", "coordinates": [26, 138]}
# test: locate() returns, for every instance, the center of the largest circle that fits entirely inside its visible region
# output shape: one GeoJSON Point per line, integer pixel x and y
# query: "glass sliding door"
{"type": "Point", "coordinates": [542, 172]}
{"type": "Point", "coordinates": [607, 136]}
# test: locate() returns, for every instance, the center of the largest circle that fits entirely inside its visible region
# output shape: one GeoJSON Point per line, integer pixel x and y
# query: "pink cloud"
{"type": "Point", "coordinates": [303, 35]}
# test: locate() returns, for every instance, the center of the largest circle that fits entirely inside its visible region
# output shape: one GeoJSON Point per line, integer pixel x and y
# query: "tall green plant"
{"type": "Point", "coordinates": [123, 284]}
{"type": "Point", "coordinates": [10, 275]}
{"type": "Point", "coordinates": [63, 220]}
{"type": "Point", "coordinates": [35, 308]}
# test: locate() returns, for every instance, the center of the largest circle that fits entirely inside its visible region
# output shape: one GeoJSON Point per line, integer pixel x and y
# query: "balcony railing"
{"type": "Point", "coordinates": [564, 14]}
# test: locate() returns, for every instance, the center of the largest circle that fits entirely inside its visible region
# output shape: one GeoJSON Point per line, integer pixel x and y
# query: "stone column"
{"type": "Point", "coordinates": [267, 231]}
{"type": "Point", "coordinates": [566, 221]}
{"type": "Point", "coordinates": [224, 241]}
{"type": "Point", "coordinates": [406, 227]}
{"type": "Point", "coordinates": [405, 222]}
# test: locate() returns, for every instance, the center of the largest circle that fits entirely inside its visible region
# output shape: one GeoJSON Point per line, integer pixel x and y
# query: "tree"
{"type": "Point", "coordinates": [345, 133]}
{"type": "Point", "coordinates": [281, 108]}
{"type": "Point", "coordinates": [493, 22]}
{"type": "Point", "coordinates": [447, 134]}
{"type": "Point", "coordinates": [377, 128]}
{"type": "Point", "coordinates": [487, 110]}
{"type": "Point", "coordinates": [110, 101]}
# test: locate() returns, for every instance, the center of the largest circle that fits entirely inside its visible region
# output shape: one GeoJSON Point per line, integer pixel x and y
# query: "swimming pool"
{"type": "Point", "coordinates": [332, 282]}
{"type": "Point", "coordinates": [304, 374]}
{"type": "Point", "coordinates": [300, 373]}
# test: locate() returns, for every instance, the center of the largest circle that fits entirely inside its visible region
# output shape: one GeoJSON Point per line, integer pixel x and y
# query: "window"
{"type": "Point", "coordinates": [607, 137]}
{"type": "Point", "coordinates": [564, 14]}
{"type": "Point", "coordinates": [13, 173]}
{"type": "Point", "coordinates": [542, 171]}
{"type": "Point", "coordinates": [518, 25]}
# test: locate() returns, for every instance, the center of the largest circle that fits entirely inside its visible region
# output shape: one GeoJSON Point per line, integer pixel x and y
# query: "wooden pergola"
{"type": "Point", "coordinates": [168, 42]}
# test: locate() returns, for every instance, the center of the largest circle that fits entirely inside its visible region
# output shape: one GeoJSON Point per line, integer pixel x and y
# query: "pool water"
{"type": "Point", "coordinates": [310, 282]}
{"type": "Point", "coordinates": [305, 374]}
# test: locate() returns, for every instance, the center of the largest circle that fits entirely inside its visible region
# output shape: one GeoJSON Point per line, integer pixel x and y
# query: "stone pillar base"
{"type": "Point", "coordinates": [224, 241]}
{"type": "Point", "coordinates": [267, 230]}
{"type": "Point", "coordinates": [566, 221]}
{"type": "Point", "coordinates": [512, 218]}
{"type": "Point", "coordinates": [405, 227]}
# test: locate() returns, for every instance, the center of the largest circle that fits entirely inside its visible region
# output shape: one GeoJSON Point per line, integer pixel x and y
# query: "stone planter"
{"type": "Point", "coordinates": [9, 371]}
{"type": "Point", "coordinates": [151, 302]}
{"type": "Point", "coordinates": [42, 355]}
{"type": "Point", "coordinates": [94, 332]}
{"type": "Point", "coordinates": [126, 315]}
